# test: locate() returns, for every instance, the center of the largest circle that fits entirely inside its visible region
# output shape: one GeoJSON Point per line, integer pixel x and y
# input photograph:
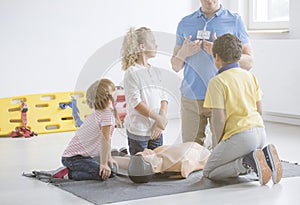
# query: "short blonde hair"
{"type": "Point", "coordinates": [98, 94]}
{"type": "Point", "coordinates": [130, 48]}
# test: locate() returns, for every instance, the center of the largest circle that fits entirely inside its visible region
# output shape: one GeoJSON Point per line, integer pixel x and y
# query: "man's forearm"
{"type": "Point", "coordinates": [177, 63]}
{"type": "Point", "coordinates": [246, 61]}
{"type": "Point", "coordinates": [177, 60]}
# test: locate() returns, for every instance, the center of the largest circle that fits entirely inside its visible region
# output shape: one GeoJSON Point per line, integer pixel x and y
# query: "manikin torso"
{"type": "Point", "coordinates": [183, 158]}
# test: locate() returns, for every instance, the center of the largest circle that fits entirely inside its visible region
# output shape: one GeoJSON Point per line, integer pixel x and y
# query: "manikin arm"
{"type": "Point", "coordinates": [122, 161]}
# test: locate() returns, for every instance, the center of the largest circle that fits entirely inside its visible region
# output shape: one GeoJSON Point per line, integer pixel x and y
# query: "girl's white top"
{"type": "Point", "coordinates": [142, 84]}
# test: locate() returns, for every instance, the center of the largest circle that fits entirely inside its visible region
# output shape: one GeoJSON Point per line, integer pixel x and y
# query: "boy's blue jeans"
{"type": "Point", "coordinates": [135, 145]}
{"type": "Point", "coordinates": [84, 168]}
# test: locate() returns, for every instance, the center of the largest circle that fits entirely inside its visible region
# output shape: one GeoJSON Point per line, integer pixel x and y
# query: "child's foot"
{"type": "Point", "coordinates": [256, 161]}
{"type": "Point", "coordinates": [273, 162]}
{"type": "Point", "coordinates": [61, 172]}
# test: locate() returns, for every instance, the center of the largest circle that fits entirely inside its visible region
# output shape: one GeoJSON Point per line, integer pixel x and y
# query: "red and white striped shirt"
{"type": "Point", "coordinates": [87, 139]}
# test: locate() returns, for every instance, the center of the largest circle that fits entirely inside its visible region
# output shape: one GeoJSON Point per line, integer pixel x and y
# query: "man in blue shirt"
{"type": "Point", "coordinates": [193, 53]}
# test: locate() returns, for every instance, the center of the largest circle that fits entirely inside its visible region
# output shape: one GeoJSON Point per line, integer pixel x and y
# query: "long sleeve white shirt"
{"type": "Point", "coordinates": [142, 84]}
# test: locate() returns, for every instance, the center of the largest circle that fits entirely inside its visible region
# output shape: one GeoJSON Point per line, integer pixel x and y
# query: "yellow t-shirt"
{"type": "Point", "coordinates": [236, 91]}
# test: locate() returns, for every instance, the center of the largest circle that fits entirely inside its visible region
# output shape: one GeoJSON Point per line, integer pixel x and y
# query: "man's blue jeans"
{"type": "Point", "coordinates": [84, 168]}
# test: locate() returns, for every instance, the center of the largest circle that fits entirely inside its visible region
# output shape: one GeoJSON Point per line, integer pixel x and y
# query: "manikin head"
{"type": "Point", "coordinates": [139, 171]}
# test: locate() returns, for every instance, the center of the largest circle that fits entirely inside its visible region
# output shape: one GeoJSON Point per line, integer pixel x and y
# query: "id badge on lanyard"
{"type": "Point", "coordinates": [204, 34]}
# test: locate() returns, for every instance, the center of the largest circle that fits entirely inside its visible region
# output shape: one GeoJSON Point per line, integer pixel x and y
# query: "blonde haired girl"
{"type": "Point", "coordinates": [131, 50]}
{"type": "Point", "coordinates": [88, 154]}
{"type": "Point", "coordinates": [146, 100]}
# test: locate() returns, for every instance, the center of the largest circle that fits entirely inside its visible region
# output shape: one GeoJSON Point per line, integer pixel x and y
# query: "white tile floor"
{"type": "Point", "coordinates": [43, 153]}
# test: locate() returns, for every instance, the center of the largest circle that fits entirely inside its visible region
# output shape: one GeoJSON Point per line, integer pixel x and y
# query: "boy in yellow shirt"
{"type": "Point", "coordinates": [234, 96]}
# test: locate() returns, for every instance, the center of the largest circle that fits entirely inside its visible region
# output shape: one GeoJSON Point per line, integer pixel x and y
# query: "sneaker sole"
{"type": "Point", "coordinates": [264, 172]}
{"type": "Point", "coordinates": [275, 163]}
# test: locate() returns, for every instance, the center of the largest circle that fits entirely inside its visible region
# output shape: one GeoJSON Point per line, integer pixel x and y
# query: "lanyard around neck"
{"type": "Point", "coordinates": [206, 22]}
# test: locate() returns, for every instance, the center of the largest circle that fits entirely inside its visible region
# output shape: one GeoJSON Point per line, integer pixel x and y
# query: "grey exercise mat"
{"type": "Point", "coordinates": [121, 188]}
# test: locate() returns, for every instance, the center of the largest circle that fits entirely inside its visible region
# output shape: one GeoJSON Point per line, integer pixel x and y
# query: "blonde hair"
{"type": "Point", "coordinates": [98, 96]}
{"type": "Point", "coordinates": [130, 48]}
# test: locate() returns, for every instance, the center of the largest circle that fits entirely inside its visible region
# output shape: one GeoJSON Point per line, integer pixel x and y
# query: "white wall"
{"type": "Point", "coordinates": [277, 69]}
{"type": "Point", "coordinates": [64, 45]}
{"type": "Point", "coordinates": [45, 44]}
{"type": "Point", "coordinates": [48, 45]}
{"type": "Point", "coordinates": [277, 66]}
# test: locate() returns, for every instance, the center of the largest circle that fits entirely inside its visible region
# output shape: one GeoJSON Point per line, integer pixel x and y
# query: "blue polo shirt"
{"type": "Point", "coordinates": [200, 68]}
